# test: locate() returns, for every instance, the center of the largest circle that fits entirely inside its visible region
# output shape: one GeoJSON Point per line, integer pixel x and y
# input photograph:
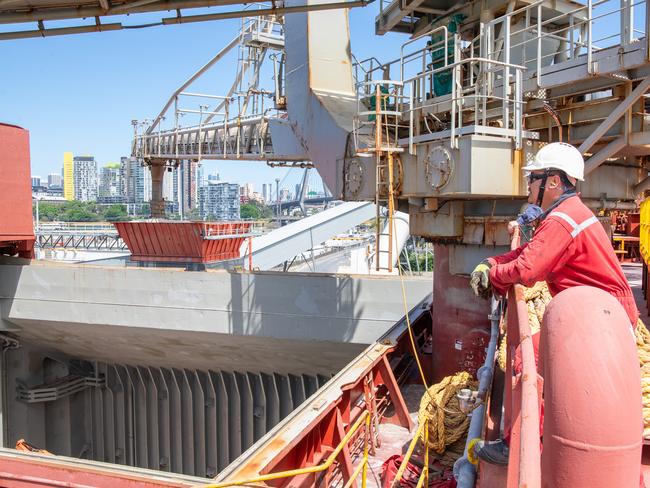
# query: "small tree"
{"type": "Point", "coordinates": [249, 211]}
{"type": "Point", "coordinates": [193, 214]}
{"type": "Point", "coordinates": [115, 213]}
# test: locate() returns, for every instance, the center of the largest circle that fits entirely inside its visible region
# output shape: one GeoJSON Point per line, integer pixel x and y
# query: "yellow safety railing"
{"type": "Point", "coordinates": [644, 231]}
{"type": "Point", "coordinates": [362, 469]}
{"type": "Point", "coordinates": [424, 475]}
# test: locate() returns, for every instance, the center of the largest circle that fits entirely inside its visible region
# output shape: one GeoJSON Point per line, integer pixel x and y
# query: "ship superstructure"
{"type": "Point", "coordinates": [440, 134]}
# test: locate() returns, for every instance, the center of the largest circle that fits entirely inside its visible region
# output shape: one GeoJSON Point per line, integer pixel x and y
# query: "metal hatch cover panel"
{"type": "Point", "coordinates": [201, 319]}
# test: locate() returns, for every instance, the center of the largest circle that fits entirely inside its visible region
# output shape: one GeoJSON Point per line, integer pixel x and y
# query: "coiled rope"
{"type": "Point", "coordinates": [643, 350]}
{"type": "Point", "coordinates": [537, 298]}
{"type": "Point", "coordinates": [440, 407]}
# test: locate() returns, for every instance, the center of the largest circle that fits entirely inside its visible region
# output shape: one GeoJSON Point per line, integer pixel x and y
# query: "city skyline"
{"type": "Point", "coordinates": [289, 177]}
{"type": "Point", "coordinates": [113, 182]}
{"type": "Point", "coordinates": [97, 84]}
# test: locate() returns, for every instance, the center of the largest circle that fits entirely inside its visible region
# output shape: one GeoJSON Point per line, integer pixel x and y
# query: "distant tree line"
{"type": "Point", "coordinates": [255, 211]}
{"type": "Point", "coordinates": [74, 211]}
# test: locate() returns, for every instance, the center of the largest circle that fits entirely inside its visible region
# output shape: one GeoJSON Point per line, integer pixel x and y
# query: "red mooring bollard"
{"type": "Point", "coordinates": [592, 393]}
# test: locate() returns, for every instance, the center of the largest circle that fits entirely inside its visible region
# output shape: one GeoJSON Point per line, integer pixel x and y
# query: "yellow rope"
{"type": "Point", "coordinates": [537, 297]}
{"type": "Point", "coordinates": [643, 350]}
{"type": "Point", "coordinates": [439, 405]}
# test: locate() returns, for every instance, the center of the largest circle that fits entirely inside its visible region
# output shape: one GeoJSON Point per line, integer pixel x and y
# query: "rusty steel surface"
{"type": "Point", "coordinates": [306, 437]}
{"type": "Point", "coordinates": [27, 470]}
{"type": "Point", "coordinates": [183, 242]}
{"type": "Point", "coordinates": [16, 226]}
{"type": "Point", "coordinates": [459, 330]}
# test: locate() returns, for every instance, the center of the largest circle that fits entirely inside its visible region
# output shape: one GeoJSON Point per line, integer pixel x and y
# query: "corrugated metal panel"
{"type": "Point", "coordinates": [184, 421]}
{"type": "Point", "coordinates": [183, 242]}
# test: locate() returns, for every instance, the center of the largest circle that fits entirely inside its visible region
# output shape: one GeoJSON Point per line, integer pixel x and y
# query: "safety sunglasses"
{"type": "Point", "coordinates": [532, 177]}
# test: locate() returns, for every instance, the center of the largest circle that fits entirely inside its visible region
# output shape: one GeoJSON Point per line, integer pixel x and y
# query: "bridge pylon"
{"type": "Point", "coordinates": [157, 166]}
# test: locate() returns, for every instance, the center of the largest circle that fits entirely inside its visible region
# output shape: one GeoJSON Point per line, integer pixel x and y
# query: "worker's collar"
{"type": "Point", "coordinates": [566, 195]}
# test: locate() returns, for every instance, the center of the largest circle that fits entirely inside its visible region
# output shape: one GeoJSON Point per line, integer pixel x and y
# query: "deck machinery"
{"type": "Point", "coordinates": [443, 131]}
{"type": "Point", "coordinates": [478, 88]}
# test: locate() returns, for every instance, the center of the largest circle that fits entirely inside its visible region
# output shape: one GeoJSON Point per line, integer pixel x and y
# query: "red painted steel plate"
{"type": "Point", "coordinates": [183, 242]}
{"type": "Point", "coordinates": [16, 196]}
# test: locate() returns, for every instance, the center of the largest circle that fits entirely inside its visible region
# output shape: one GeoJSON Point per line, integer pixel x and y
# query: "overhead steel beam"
{"type": "Point", "coordinates": [36, 14]}
{"type": "Point", "coordinates": [5, 36]}
{"type": "Point", "coordinates": [642, 186]}
{"type": "Point", "coordinates": [191, 79]}
{"type": "Point", "coordinates": [610, 150]}
{"type": "Point", "coordinates": [395, 12]}
{"type": "Point", "coordinates": [267, 11]}
{"type": "Point", "coordinates": [618, 112]}
{"type": "Point", "coordinates": [132, 5]}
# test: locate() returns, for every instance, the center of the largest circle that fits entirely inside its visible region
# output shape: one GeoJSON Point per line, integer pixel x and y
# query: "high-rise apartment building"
{"type": "Point", "coordinates": [85, 178]}
{"type": "Point", "coordinates": [142, 182]}
{"type": "Point", "coordinates": [54, 181]}
{"type": "Point", "coordinates": [186, 178]}
{"type": "Point", "coordinates": [245, 191]}
{"type": "Point", "coordinates": [110, 184]}
{"type": "Point", "coordinates": [68, 176]}
{"type": "Point", "coordinates": [219, 200]}
{"type": "Point", "coordinates": [36, 181]}
{"type": "Point", "coordinates": [135, 181]}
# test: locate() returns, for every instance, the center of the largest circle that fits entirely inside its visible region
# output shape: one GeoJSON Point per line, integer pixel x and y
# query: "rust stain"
{"type": "Point", "coordinates": [519, 293]}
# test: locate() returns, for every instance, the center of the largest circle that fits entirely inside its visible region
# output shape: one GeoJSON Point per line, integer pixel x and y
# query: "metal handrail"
{"type": "Point", "coordinates": [581, 18]}
{"type": "Point", "coordinates": [425, 34]}
{"type": "Point", "coordinates": [464, 61]}
{"type": "Point", "coordinates": [522, 415]}
{"type": "Point", "coordinates": [364, 419]}
{"type": "Point", "coordinates": [458, 95]}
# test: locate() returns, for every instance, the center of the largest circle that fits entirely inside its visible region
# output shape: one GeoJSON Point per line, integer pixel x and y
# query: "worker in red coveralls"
{"type": "Point", "coordinates": [568, 248]}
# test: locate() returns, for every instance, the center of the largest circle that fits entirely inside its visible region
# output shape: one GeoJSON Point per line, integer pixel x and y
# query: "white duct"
{"type": "Point", "coordinates": [321, 100]}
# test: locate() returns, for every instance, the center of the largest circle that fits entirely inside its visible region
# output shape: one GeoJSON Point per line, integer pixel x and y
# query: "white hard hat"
{"type": "Point", "coordinates": [559, 155]}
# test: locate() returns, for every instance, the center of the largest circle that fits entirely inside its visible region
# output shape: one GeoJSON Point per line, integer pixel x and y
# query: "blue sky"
{"type": "Point", "coordinates": [80, 92]}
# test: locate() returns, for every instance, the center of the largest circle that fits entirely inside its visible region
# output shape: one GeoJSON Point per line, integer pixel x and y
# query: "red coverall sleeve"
{"type": "Point", "coordinates": [535, 261]}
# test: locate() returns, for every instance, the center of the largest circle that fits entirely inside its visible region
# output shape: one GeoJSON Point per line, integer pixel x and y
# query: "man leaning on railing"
{"type": "Point", "coordinates": [568, 248]}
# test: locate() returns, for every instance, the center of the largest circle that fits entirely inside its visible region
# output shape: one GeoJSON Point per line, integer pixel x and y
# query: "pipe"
{"type": "Point", "coordinates": [264, 11]}
{"type": "Point", "coordinates": [595, 204]}
{"type": "Point", "coordinates": [464, 471]}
